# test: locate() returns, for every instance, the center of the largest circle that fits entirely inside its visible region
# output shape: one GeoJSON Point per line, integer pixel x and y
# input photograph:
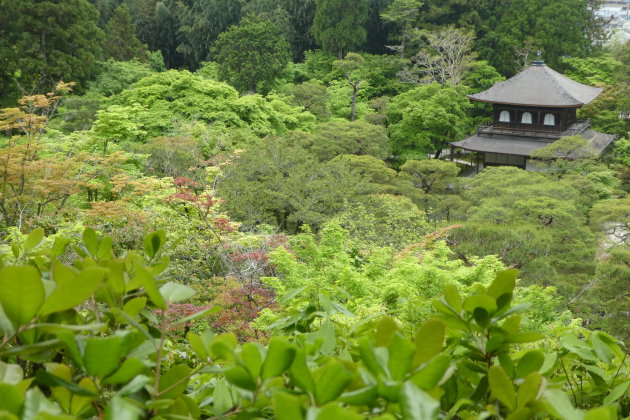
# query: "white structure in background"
{"type": "Point", "coordinates": [617, 13]}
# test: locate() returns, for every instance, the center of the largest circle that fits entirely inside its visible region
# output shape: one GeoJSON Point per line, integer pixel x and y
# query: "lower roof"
{"type": "Point", "coordinates": [523, 146]}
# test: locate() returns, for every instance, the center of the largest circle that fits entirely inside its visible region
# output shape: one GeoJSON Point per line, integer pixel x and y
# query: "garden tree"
{"type": "Point", "coordinates": [430, 175]}
{"type": "Point", "coordinates": [528, 26]}
{"type": "Point", "coordinates": [403, 13]}
{"type": "Point", "coordinates": [200, 23]}
{"type": "Point", "coordinates": [480, 75]}
{"type": "Point", "coordinates": [168, 100]}
{"type": "Point", "coordinates": [424, 119]}
{"type": "Point", "coordinates": [44, 42]}
{"type": "Point", "coordinates": [379, 174]}
{"type": "Point", "coordinates": [530, 221]}
{"type": "Point", "coordinates": [380, 75]}
{"type": "Point", "coordinates": [33, 186]}
{"type": "Point", "coordinates": [383, 220]}
{"type": "Point", "coordinates": [115, 76]}
{"type": "Point", "coordinates": [123, 357]}
{"type": "Point", "coordinates": [105, 9]}
{"type": "Point", "coordinates": [612, 218]}
{"type": "Point", "coordinates": [121, 43]}
{"type": "Point", "coordinates": [272, 11]}
{"type": "Point", "coordinates": [350, 67]}
{"type": "Point", "coordinates": [262, 54]}
{"type": "Point", "coordinates": [313, 96]}
{"type": "Point", "coordinates": [280, 183]}
{"type": "Point", "coordinates": [335, 138]}
{"type": "Point", "coordinates": [116, 124]}
{"type": "Point", "coordinates": [338, 24]}
{"type": "Point", "coordinates": [570, 147]}
{"type": "Point", "coordinates": [445, 59]}
{"type": "Point", "coordinates": [623, 55]}
{"type": "Point", "coordinates": [606, 302]}
{"type": "Point", "coordinates": [174, 157]}
{"type": "Point", "coordinates": [597, 70]}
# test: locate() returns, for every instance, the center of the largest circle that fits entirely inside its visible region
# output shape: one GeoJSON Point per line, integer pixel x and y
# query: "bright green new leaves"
{"type": "Point", "coordinates": [501, 386]}
{"type": "Point", "coordinates": [21, 293]}
{"type": "Point", "coordinates": [101, 356]}
{"type": "Point", "coordinates": [73, 291]}
{"type": "Point", "coordinates": [330, 381]}
{"type": "Point", "coordinates": [429, 340]}
{"type": "Point", "coordinates": [417, 404]}
{"type": "Point", "coordinates": [279, 358]}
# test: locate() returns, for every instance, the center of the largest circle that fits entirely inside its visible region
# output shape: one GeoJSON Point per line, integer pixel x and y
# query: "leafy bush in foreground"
{"type": "Point", "coordinates": [91, 339]}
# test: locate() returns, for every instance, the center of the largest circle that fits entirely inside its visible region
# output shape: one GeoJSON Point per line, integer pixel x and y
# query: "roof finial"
{"type": "Point", "coordinates": [539, 62]}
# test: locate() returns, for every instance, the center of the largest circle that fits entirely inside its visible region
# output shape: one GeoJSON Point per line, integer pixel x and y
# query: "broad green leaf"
{"type": "Point", "coordinates": [363, 396]}
{"type": "Point", "coordinates": [175, 292]}
{"type": "Point", "coordinates": [335, 411]}
{"type": "Point", "coordinates": [401, 355]}
{"type": "Point", "coordinates": [575, 345]}
{"type": "Point", "coordinates": [601, 348]}
{"type": "Point", "coordinates": [6, 327]}
{"type": "Point", "coordinates": [196, 344]}
{"type": "Point", "coordinates": [105, 248]}
{"type": "Point", "coordinates": [480, 301]}
{"type": "Point", "coordinates": [300, 372]}
{"type": "Point", "coordinates": [134, 386]}
{"type": "Point", "coordinates": [35, 404]}
{"type": "Point", "coordinates": [501, 387]}
{"type": "Point", "coordinates": [134, 306]}
{"type": "Point", "coordinates": [120, 408]}
{"type": "Point", "coordinates": [529, 389]}
{"type": "Point", "coordinates": [385, 329]}
{"type": "Point", "coordinates": [21, 293]}
{"type": "Point", "coordinates": [503, 283]}
{"type": "Point", "coordinates": [174, 381]}
{"type": "Point", "coordinates": [431, 375]}
{"type": "Point", "coordinates": [90, 240]}
{"type": "Point", "coordinates": [530, 362]}
{"type": "Point", "coordinates": [279, 357]}
{"type": "Point", "coordinates": [73, 292]}
{"type": "Point", "coordinates": [330, 381]}
{"type": "Point", "coordinates": [429, 341]}
{"type": "Point", "coordinates": [287, 406]}
{"type": "Point", "coordinates": [482, 317]}
{"type": "Point", "coordinates": [221, 398]}
{"type": "Point", "coordinates": [10, 374]}
{"type": "Point", "coordinates": [80, 403]}
{"type": "Point", "coordinates": [452, 297]}
{"type": "Point", "coordinates": [34, 239]}
{"type": "Point", "coordinates": [368, 356]}
{"type": "Point", "coordinates": [601, 413]}
{"type": "Point", "coordinates": [130, 368]}
{"type": "Point", "coordinates": [616, 393]}
{"type": "Point", "coordinates": [560, 405]}
{"type": "Point", "coordinates": [252, 358]}
{"type": "Point", "coordinates": [239, 376]}
{"type": "Point", "coordinates": [153, 242]}
{"type": "Point", "coordinates": [101, 356]}
{"type": "Point", "coordinates": [59, 247]}
{"type": "Point", "coordinates": [291, 294]}
{"type": "Point", "coordinates": [11, 399]}
{"type": "Point", "coordinates": [51, 380]}
{"type": "Point", "coordinates": [415, 404]}
{"type": "Point", "coordinates": [327, 333]}
{"type": "Point", "coordinates": [150, 287]}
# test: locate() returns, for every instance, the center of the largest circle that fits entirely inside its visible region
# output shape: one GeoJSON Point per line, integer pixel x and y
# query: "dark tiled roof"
{"type": "Point", "coordinates": [538, 85]}
{"type": "Point", "coordinates": [523, 146]}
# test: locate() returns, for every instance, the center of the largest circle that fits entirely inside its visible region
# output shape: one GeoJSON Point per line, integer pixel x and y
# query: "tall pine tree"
{"type": "Point", "coordinates": [121, 42]}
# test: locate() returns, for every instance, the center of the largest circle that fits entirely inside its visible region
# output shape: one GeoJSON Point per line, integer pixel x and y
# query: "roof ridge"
{"type": "Point", "coordinates": [553, 74]}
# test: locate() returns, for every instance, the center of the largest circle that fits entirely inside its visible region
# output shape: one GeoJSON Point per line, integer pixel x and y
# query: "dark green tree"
{"type": "Point", "coordinates": [338, 24]}
{"type": "Point", "coordinates": [251, 54]}
{"type": "Point", "coordinates": [44, 42]}
{"type": "Point", "coordinates": [121, 42]}
{"type": "Point", "coordinates": [200, 25]}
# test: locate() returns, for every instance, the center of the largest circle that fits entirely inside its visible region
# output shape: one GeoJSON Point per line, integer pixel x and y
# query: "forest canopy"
{"type": "Point", "coordinates": [251, 209]}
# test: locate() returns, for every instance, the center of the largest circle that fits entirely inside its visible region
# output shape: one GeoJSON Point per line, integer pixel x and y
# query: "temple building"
{"type": "Point", "coordinates": [531, 110]}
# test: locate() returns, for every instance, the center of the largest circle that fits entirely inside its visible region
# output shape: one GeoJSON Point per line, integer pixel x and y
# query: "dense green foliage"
{"type": "Point", "coordinates": [325, 258]}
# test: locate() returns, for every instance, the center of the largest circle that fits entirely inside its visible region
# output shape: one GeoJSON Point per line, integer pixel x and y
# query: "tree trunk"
{"type": "Point", "coordinates": [438, 153]}
{"type": "Point", "coordinates": [355, 90]}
